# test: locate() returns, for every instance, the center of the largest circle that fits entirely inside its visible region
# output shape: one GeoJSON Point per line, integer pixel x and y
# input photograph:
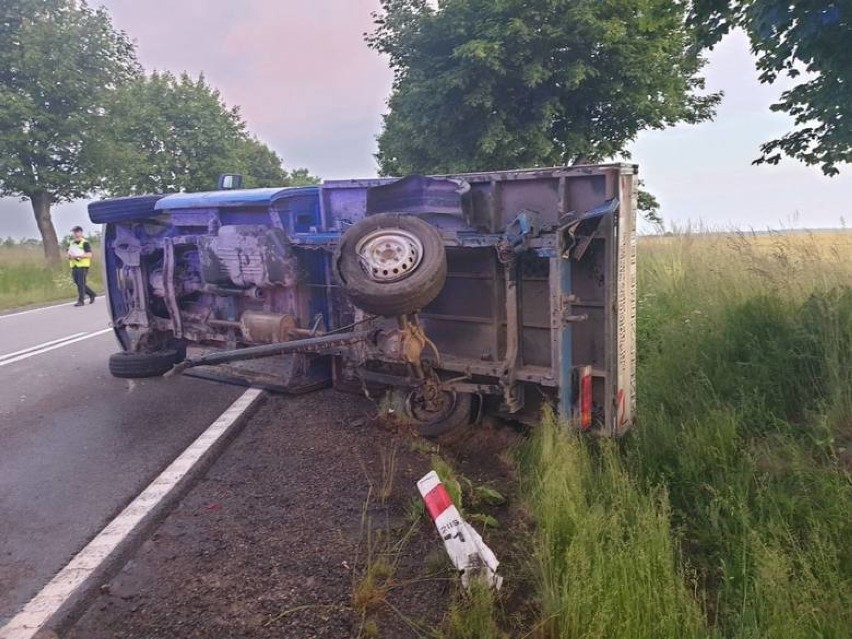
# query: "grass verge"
{"type": "Point", "coordinates": [26, 279]}
{"type": "Point", "coordinates": [605, 557]}
{"type": "Point", "coordinates": [726, 513]}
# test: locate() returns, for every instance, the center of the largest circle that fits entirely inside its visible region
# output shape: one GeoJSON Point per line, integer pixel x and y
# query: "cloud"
{"type": "Point", "coordinates": [300, 72]}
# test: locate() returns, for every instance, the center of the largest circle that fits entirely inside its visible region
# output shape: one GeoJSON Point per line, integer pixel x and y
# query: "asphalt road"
{"type": "Point", "coordinates": [76, 444]}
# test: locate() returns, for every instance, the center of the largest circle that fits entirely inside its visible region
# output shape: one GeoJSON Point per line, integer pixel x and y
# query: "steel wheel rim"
{"type": "Point", "coordinates": [389, 255]}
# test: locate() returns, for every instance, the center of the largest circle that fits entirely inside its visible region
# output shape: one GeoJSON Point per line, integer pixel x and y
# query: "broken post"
{"type": "Point", "coordinates": [465, 547]}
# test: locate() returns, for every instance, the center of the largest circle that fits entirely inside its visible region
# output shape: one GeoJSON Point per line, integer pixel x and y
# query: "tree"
{"type": "Point", "coordinates": [59, 61]}
{"type": "Point", "coordinates": [176, 133]}
{"type": "Point", "coordinates": [807, 39]}
{"type": "Point", "coordinates": [262, 167]}
{"type": "Point", "coordinates": [497, 84]}
{"type": "Point", "coordinates": [301, 177]}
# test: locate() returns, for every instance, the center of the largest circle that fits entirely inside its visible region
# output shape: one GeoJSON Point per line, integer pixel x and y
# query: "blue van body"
{"type": "Point", "coordinates": [537, 305]}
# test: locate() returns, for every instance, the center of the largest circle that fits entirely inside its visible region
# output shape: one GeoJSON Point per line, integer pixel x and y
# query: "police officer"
{"type": "Point", "coordinates": [80, 259]}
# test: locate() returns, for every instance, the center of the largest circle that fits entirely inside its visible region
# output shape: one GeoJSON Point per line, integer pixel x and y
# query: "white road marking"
{"type": "Point", "coordinates": [35, 310]}
{"type": "Point", "coordinates": [40, 608]}
{"type": "Point", "coordinates": [38, 346]}
{"type": "Point", "coordinates": [54, 347]}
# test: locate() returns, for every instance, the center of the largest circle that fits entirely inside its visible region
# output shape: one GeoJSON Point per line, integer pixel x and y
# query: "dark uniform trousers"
{"type": "Point", "coordinates": [79, 274]}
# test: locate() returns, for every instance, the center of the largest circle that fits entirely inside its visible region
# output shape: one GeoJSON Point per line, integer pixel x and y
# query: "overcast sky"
{"type": "Point", "coordinates": [309, 87]}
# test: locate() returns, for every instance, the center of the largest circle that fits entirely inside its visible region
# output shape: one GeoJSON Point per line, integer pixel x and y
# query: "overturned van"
{"type": "Point", "coordinates": [495, 292]}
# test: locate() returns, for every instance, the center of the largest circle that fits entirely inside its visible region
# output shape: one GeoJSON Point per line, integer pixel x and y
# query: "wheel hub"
{"type": "Point", "coordinates": [429, 403]}
{"type": "Point", "coordinates": [389, 255]}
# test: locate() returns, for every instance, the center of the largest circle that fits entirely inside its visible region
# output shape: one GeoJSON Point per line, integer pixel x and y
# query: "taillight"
{"type": "Point", "coordinates": [585, 397]}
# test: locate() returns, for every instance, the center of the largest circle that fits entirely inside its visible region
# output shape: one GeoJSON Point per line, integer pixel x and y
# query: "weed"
{"type": "Point", "coordinates": [372, 587]}
{"type": "Point", "coordinates": [387, 459]}
{"type": "Point", "coordinates": [414, 510]}
{"type": "Point", "coordinates": [376, 569]}
{"type": "Point", "coordinates": [374, 579]}
{"type": "Point", "coordinates": [473, 613]}
{"type": "Point", "coordinates": [371, 628]}
{"type": "Point", "coordinates": [486, 495]}
{"type": "Point", "coordinates": [487, 521]}
{"type": "Point", "coordinates": [423, 446]}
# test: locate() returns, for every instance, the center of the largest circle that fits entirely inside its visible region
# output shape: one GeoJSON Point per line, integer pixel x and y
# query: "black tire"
{"type": "Point", "coordinates": [136, 365]}
{"type": "Point", "coordinates": [390, 298]}
{"type": "Point", "coordinates": [179, 347]}
{"type": "Point", "coordinates": [440, 426]}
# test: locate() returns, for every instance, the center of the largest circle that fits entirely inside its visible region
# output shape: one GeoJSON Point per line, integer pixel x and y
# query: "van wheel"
{"type": "Point", "coordinates": [391, 264]}
{"type": "Point", "coordinates": [444, 417]}
{"type": "Point", "coordinates": [137, 365]}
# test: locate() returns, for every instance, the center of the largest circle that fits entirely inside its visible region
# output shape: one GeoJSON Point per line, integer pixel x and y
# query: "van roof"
{"type": "Point", "coordinates": [230, 198]}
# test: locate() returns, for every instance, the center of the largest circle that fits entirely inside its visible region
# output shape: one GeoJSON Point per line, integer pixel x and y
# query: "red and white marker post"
{"type": "Point", "coordinates": [465, 547]}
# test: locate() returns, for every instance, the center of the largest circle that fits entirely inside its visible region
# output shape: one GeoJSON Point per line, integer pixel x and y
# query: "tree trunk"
{"type": "Point", "coordinates": [41, 202]}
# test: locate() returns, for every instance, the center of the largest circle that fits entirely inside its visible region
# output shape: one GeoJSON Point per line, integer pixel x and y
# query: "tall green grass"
{"type": "Point", "coordinates": [605, 556]}
{"type": "Point", "coordinates": [26, 278]}
{"type": "Point", "coordinates": [728, 511]}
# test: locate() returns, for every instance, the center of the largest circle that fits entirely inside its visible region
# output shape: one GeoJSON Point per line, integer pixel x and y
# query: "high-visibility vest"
{"type": "Point", "coordinates": [85, 262]}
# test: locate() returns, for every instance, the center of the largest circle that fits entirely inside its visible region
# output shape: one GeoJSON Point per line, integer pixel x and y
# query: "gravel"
{"type": "Point", "coordinates": [314, 495]}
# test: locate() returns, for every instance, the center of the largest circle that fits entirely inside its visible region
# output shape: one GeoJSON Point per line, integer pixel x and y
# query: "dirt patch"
{"type": "Point", "coordinates": [307, 526]}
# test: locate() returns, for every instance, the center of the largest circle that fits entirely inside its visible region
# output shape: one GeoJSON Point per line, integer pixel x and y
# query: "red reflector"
{"type": "Point", "coordinates": [437, 501]}
{"type": "Point", "coordinates": [586, 397]}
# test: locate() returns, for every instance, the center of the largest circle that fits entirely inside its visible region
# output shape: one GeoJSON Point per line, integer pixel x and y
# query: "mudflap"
{"type": "Point", "coordinates": [291, 374]}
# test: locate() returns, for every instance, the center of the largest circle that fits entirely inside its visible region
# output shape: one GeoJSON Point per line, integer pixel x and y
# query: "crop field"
{"type": "Point", "coordinates": [26, 279]}
{"type": "Point", "coordinates": [727, 512]}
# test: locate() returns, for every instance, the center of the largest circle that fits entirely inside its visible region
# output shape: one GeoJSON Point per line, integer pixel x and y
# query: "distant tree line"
{"type": "Point", "coordinates": [78, 116]}
{"type": "Point", "coordinates": [11, 242]}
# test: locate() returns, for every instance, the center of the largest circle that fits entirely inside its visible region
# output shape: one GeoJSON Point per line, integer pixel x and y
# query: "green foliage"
{"type": "Point", "coordinates": [301, 177]}
{"type": "Point", "coordinates": [59, 62]}
{"type": "Point", "coordinates": [648, 206]}
{"type": "Point", "coordinates": [77, 116]}
{"type": "Point", "coordinates": [809, 40]}
{"type": "Point", "coordinates": [487, 521]}
{"type": "Point", "coordinates": [177, 134]}
{"type": "Point", "coordinates": [739, 428]}
{"type": "Point", "coordinates": [484, 85]}
{"type": "Point", "coordinates": [466, 495]}
{"type": "Point", "coordinates": [486, 495]}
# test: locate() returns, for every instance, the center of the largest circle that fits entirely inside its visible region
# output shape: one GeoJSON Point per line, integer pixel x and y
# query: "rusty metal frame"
{"type": "Point", "coordinates": [537, 321]}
